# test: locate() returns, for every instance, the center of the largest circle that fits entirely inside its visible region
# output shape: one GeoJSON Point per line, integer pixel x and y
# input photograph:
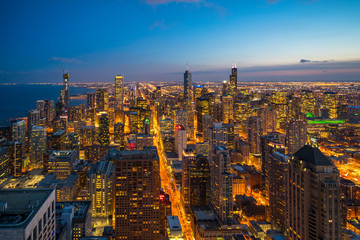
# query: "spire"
{"type": "Point", "coordinates": [187, 66]}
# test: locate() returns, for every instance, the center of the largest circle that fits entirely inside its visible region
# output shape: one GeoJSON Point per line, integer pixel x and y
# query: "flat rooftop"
{"type": "Point", "coordinates": [19, 206]}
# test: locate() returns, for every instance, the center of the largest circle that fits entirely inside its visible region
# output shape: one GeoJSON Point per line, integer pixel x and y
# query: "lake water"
{"type": "Point", "coordinates": [16, 100]}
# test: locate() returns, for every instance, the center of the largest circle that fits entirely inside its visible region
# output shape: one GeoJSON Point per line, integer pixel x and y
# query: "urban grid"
{"type": "Point", "coordinates": [191, 159]}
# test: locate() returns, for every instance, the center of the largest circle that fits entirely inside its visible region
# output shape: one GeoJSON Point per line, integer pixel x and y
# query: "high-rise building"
{"type": "Point", "coordinates": [27, 214]}
{"type": "Point", "coordinates": [313, 196]}
{"type": "Point", "coordinates": [33, 119]}
{"type": "Point", "coordinates": [132, 96]}
{"type": "Point", "coordinates": [221, 196]}
{"type": "Point", "coordinates": [278, 184]}
{"type": "Point", "coordinates": [202, 109]}
{"type": "Point", "coordinates": [180, 140]}
{"type": "Point", "coordinates": [181, 118]}
{"type": "Point", "coordinates": [268, 118]}
{"type": "Point", "coordinates": [254, 134]}
{"type": "Point", "coordinates": [64, 96]}
{"type": "Point", "coordinates": [102, 99]}
{"type": "Point", "coordinates": [331, 103]}
{"type": "Point", "coordinates": [308, 102]}
{"type": "Point", "coordinates": [165, 210]}
{"type": "Point", "coordinates": [187, 85]}
{"type": "Point", "coordinates": [74, 219]}
{"type": "Point", "coordinates": [296, 135]}
{"type": "Point", "coordinates": [208, 123]}
{"type": "Point", "coordinates": [279, 104]}
{"type": "Point", "coordinates": [227, 109]}
{"type": "Point", "coordinates": [225, 88]}
{"type": "Point", "coordinates": [4, 163]}
{"type": "Point", "coordinates": [233, 81]}
{"type": "Point", "coordinates": [100, 180]}
{"type": "Point", "coordinates": [49, 111]}
{"type": "Point", "coordinates": [16, 156]}
{"type": "Point", "coordinates": [104, 134]}
{"type": "Point", "coordinates": [91, 101]}
{"type": "Point", "coordinates": [119, 91]}
{"type": "Point", "coordinates": [218, 137]}
{"type": "Point", "coordinates": [37, 146]}
{"type": "Point", "coordinates": [87, 136]}
{"type": "Point", "coordinates": [188, 156]}
{"type": "Point", "coordinates": [62, 163]}
{"type": "Point", "coordinates": [199, 181]}
{"type": "Point", "coordinates": [40, 105]}
{"type": "Point", "coordinates": [119, 133]}
{"type": "Point", "coordinates": [137, 187]}
{"type": "Point", "coordinates": [19, 133]}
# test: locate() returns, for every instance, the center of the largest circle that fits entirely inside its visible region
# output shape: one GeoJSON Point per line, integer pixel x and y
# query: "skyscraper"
{"type": "Point", "coordinates": [313, 196]}
{"type": "Point", "coordinates": [65, 91]}
{"type": "Point", "coordinates": [187, 84]}
{"type": "Point", "coordinates": [218, 137]}
{"type": "Point", "coordinates": [254, 134]}
{"type": "Point", "coordinates": [268, 117]}
{"type": "Point", "coordinates": [227, 109]}
{"type": "Point", "coordinates": [221, 198]}
{"type": "Point", "coordinates": [119, 91]}
{"type": "Point", "coordinates": [19, 133]}
{"type": "Point", "coordinates": [180, 140]}
{"type": "Point", "coordinates": [33, 119]}
{"type": "Point", "coordinates": [278, 183]}
{"type": "Point", "coordinates": [37, 146]}
{"type": "Point", "coordinates": [331, 103]}
{"type": "Point", "coordinates": [102, 99]}
{"type": "Point", "coordinates": [202, 109]}
{"type": "Point", "coordinates": [100, 180]}
{"type": "Point", "coordinates": [104, 134]}
{"type": "Point", "coordinates": [296, 135]}
{"type": "Point", "coordinates": [137, 188]}
{"type": "Point", "coordinates": [233, 81]}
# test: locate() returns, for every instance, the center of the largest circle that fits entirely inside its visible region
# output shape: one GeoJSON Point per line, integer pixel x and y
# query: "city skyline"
{"type": "Point", "coordinates": [269, 40]}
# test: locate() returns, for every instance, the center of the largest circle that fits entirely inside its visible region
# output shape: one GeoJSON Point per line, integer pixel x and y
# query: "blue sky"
{"type": "Point", "coordinates": [151, 40]}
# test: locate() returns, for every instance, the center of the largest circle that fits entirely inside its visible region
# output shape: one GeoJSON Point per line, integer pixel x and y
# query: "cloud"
{"type": "Point", "coordinates": [310, 61]}
{"type": "Point", "coordinates": [155, 2]}
{"type": "Point", "coordinates": [272, 1]}
{"type": "Point", "coordinates": [161, 25]}
{"type": "Point", "coordinates": [65, 60]}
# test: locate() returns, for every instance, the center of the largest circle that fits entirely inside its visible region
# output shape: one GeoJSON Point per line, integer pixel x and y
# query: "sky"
{"type": "Point", "coordinates": [153, 40]}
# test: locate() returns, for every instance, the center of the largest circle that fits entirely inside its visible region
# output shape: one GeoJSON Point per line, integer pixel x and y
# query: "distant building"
{"type": "Point", "coordinates": [37, 146]}
{"type": "Point", "coordinates": [119, 91]}
{"type": "Point", "coordinates": [104, 134]}
{"type": "Point", "coordinates": [4, 163]}
{"type": "Point", "coordinates": [27, 214]}
{"type": "Point", "coordinates": [62, 163]}
{"type": "Point", "coordinates": [254, 134]}
{"type": "Point", "coordinates": [180, 140]}
{"type": "Point", "coordinates": [296, 135]}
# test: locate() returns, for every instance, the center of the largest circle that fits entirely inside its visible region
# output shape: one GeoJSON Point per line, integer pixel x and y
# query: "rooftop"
{"type": "Point", "coordinates": [19, 206]}
{"type": "Point", "coordinates": [313, 156]}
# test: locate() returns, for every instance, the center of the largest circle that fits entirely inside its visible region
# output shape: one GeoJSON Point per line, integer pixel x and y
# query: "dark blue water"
{"type": "Point", "coordinates": [16, 100]}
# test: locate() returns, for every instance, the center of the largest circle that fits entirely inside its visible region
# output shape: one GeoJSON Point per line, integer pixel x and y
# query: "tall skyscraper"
{"type": "Point", "coordinates": [254, 134]}
{"type": "Point", "coordinates": [16, 156]}
{"type": "Point", "coordinates": [90, 101]}
{"type": "Point", "coordinates": [102, 99]}
{"type": "Point", "coordinates": [296, 135]}
{"type": "Point", "coordinates": [331, 103]}
{"type": "Point", "coordinates": [33, 119]}
{"type": "Point", "coordinates": [104, 134]}
{"type": "Point", "coordinates": [199, 181]}
{"type": "Point", "coordinates": [100, 180]}
{"type": "Point", "coordinates": [65, 92]}
{"type": "Point", "coordinates": [268, 117]}
{"type": "Point", "coordinates": [278, 184]}
{"type": "Point", "coordinates": [19, 133]}
{"type": "Point", "coordinates": [308, 102]}
{"type": "Point", "coordinates": [227, 109]}
{"type": "Point", "coordinates": [233, 81]}
{"type": "Point", "coordinates": [313, 196]}
{"type": "Point", "coordinates": [187, 84]}
{"type": "Point", "coordinates": [221, 198]}
{"type": "Point", "coordinates": [218, 137]}
{"type": "Point", "coordinates": [180, 140]}
{"type": "Point", "coordinates": [202, 109]}
{"type": "Point", "coordinates": [40, 105]}
{"type": "Point", "coordinates": [37, 146]}
{"type": "Point", "coordinates": [137, 188]}
{"type": "Point", "coordinates": [119, 91]}
{"type": "Point", "coordinates": [49, 111]}
{"type": "Point", "coordinates": [188, 155]}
